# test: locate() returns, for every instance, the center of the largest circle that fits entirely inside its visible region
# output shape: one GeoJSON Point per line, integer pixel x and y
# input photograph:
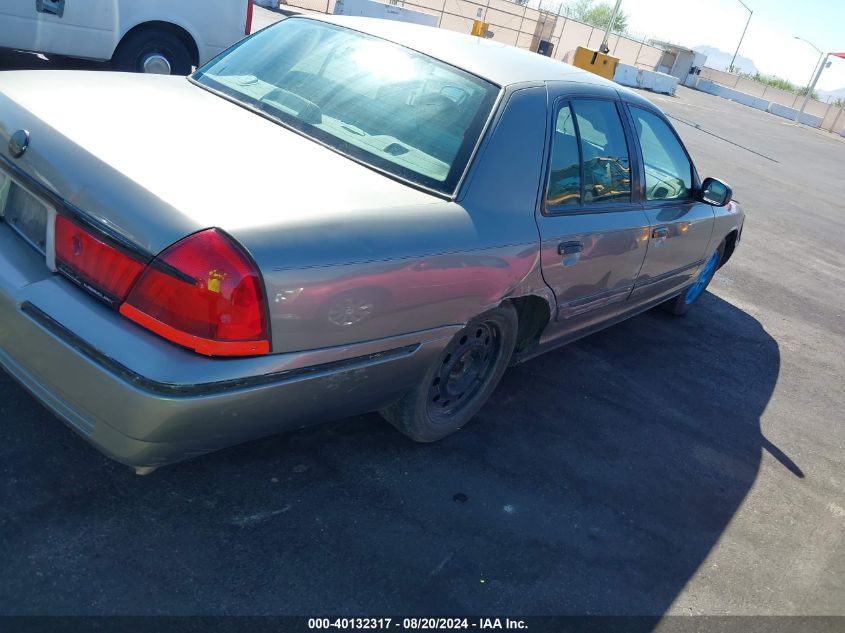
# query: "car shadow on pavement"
{"type": "Point", "coordinates": [596, 481]}
{"type": "Point", "coordinates": [18, 60]}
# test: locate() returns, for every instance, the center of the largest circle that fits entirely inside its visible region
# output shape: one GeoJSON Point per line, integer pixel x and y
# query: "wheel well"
{"type": "Point", "coordinates": [730, 245]}
{"type": "Point", "coordinates": [176, 30]}
{"type": "Point", "coordinates": [533, 314]}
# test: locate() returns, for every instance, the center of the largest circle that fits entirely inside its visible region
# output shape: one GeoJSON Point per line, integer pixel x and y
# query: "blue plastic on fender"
{"type": "Point", "coordinates": [703, 278]}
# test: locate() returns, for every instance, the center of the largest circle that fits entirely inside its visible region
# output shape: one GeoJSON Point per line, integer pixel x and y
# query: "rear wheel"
{"type": "Point", "coordinates": [683, 302]}
{"type": "Point", "coordinates": [153, 51]}
{"type": "Point", "coordinates": [461, 380]}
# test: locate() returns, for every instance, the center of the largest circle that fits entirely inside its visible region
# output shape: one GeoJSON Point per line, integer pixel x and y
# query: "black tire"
{"type": "Point", "coordinates": [138, 46]}
{"type": "Point", "coordinates": [462, 372]}
{"type": "Point", "coordinates": [681, 304]}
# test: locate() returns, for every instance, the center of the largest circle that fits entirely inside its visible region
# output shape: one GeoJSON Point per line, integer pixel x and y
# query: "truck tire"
{"type": "Point", "coordinates": [152, 51]}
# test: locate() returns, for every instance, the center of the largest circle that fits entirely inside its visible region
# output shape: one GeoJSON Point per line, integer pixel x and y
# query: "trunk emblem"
{"type": "Point", "coordinates": [18, 143]}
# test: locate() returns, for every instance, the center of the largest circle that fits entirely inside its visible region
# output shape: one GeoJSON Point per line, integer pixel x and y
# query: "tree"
{"type": "Point", "coordinates": [803, 91]}
{"type": "Point", "coordinates": [597, 15]}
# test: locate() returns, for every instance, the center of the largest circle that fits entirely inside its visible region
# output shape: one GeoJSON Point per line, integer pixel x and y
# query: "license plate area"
{"type": "Point", "coordinates": [28, 216]}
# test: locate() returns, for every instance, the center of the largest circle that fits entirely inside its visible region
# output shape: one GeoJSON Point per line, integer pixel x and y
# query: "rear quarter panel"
{"type": "Point", "coordinates": [416, 267]}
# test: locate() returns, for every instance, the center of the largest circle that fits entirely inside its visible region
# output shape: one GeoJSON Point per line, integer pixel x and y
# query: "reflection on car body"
{"type": "Point", "coordinates": [350, 301]}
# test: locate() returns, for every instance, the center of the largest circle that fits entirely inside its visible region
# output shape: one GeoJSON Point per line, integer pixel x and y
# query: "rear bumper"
{"type": "Point", "coordinates": [145, 402]}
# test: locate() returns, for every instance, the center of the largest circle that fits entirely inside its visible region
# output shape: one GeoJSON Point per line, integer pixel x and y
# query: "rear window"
{"type": "Point", "coordinates": [385, 105]}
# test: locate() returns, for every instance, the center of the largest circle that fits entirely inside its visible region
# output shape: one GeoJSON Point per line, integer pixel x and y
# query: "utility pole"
{"type": "Point", "coordinates": [812, 84]}
{"type": "Point", "coordinates": [604, 48]}
{"type": "Point", "coordinates": [812, 87]}
{"type": "Point", "coordinates": [742, 37]}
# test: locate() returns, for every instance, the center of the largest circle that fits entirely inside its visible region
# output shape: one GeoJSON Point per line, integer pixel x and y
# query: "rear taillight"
{"type": "Point", "coordinates": [203, 293]}
{"type": "Point", "coordinates": [102, 269]}
{"type": "Point", "coordinates": [248, 27]}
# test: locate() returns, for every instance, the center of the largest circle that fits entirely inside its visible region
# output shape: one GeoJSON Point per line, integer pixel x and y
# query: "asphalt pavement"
{"type": "Point", "coordinates": [666, 465]}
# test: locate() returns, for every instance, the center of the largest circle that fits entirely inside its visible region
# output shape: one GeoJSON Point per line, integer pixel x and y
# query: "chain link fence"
{"type": "Point", "coordinates": [524, 27]}
{"type": "Point", "coordinates": [518, 25]}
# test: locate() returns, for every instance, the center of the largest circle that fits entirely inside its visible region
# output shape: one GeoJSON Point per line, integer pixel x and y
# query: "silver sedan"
{"type": "Point", "coordinates": [337, 215]}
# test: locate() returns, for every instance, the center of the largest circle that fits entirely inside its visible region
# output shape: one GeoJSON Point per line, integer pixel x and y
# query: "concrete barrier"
{"type": "Point", "coordinates": [705, 85]}
{"type": "Point", "coordinates": [789, 113]}
{"type": "Point", "coordinates": [734, 95]}
{"type": "Point", "coordinates": [628, 75]}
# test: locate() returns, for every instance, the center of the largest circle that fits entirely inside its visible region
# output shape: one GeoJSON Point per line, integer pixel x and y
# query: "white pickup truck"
{"type": "Point", "coordinates": [155, 36]}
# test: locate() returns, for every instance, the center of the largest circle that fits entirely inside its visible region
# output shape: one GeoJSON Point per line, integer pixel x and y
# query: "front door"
{"type": "Point", "coordinates": [680, 226]}
{"type": "Point", "coordinates": [594, 237]}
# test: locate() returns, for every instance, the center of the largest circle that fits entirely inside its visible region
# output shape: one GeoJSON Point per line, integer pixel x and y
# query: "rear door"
{"type": "Point", "coordinates": [77, 28]}
{"type": "Point", "coordinates": [594, 235]}
{"type": "Point", "coordinates": [680, 226]}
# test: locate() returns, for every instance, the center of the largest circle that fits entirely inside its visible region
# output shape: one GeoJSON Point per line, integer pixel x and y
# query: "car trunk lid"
{"type": "Point", "coordinates": [154, 159]}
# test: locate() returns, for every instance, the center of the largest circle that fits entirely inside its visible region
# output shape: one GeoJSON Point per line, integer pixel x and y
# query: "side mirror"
{"type": "Point", "coordinates": [715, 192]}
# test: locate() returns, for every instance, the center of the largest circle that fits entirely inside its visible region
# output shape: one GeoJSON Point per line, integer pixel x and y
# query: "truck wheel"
{"type": "Point", "coordinates": [461, 380]}
{"type": "Point", "coordinates": [152, 51]}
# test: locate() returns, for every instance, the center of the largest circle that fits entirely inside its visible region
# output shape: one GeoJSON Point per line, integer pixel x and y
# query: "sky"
{"type": "Point", "coordinates": [770, 41]}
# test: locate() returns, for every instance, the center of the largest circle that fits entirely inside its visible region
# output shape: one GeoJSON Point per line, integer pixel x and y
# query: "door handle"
{"type": "Point", "coordinates": [660, 233]}
{"type": "Point", "coordinates": [570, 251]}
{"type": "Point", "coordinates": [569, 248]}
{"type": "Point", "coordinates": [56, 7]}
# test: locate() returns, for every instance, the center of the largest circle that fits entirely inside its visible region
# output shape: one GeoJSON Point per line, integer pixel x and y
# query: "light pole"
{"type": "Point", "coordinates": [821, 55]}
{"type": "Point", "coordinates": [812, 85]}
{"type": "Point", "coordinates": [750, 13]}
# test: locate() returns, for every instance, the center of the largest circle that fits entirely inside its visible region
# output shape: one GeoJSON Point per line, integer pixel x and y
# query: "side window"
{"type": "Point", "coordinates": [565, 170]}
{"type": "Point", "coordinates": [604, 150]}
{"type": "Point", "coordinates": [668, 172]}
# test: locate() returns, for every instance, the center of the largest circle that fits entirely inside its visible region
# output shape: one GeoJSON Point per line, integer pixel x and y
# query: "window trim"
{"type": "Point", "coordinates": [696, 182]}
{"type": "Point", "coordinates": [635, 202]}
{"type": "Point", "coordinates": [558, 107]}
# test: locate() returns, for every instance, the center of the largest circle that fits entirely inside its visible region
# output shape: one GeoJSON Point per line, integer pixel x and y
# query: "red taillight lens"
{"type": "Point", "coordinates": [248, 27]}
{"type": "Point", "coordinates": [104, 269]}
{"type": "Point", "coordinates": [203, 293]}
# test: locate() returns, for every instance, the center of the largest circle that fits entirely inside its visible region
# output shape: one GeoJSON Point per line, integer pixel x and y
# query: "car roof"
{"type": "Point", "coordinates": [499, 63]}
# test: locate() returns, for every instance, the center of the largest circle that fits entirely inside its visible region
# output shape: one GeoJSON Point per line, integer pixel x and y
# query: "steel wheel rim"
{"type": "Point", "coordinates": [702, 280]}
{"type": "Point", "coordinates": [465, 369]}
{"type": "Point", "coordinates": [156, 64]}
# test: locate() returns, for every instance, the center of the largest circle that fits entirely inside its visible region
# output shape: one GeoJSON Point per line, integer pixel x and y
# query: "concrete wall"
{"type": "Point", "coordinates": [628, 75]}
{"type": "Point", "coordinates": [756, 102]}
{"type": "Point", "coordinates": [817, 110]}
{"type": "Point", "coordinates": [834, 120]}
{"type": "Point", "coordinates": [790, 113]}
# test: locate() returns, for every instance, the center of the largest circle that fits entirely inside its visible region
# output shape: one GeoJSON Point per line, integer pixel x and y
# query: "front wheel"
{"type": "Point", "coordinates": [683, 302]}
{"type": "Point", "coordinates": [154, 51]}
{"type": "Point", "coordinates": [458, 384]}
